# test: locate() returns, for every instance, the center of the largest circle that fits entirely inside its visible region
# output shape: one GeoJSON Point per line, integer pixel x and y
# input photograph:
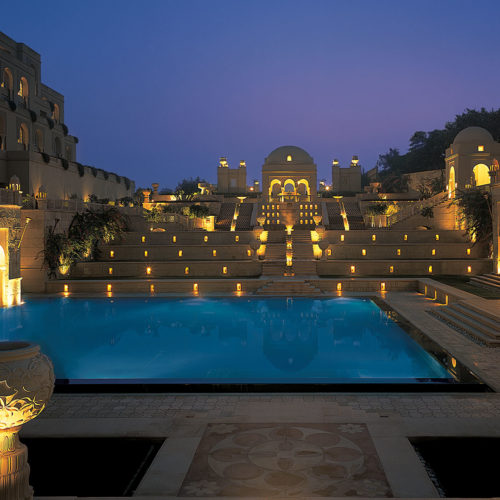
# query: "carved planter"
{"type": "Point", "coordinates": [26, 384]}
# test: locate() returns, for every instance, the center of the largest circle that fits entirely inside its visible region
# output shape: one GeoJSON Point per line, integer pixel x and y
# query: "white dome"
{"type": "Point", "coordinates": [280, 155]}
{"type": "Point", "coordinates": [473, 135]}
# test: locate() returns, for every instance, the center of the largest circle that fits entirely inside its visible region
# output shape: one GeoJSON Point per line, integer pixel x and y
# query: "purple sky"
{"type": "Point", "coordinates": [158, 90]}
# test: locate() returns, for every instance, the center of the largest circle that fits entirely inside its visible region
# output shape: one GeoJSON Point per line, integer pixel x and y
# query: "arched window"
{"type": "Point", "coordinates": [23, 88]}
{"type": "Point", "coordinates": [39, 140]}
{"type": "Point", "coordinates": [481, 174]}
{"type": "Point", "coordinates": [55, 113]}
{"type": "Point", "coordinates": [24, 138]}
{"type": "Point", "coordinates": [57, 146]}
{"type": "Point", "coordinates": [7, 80]}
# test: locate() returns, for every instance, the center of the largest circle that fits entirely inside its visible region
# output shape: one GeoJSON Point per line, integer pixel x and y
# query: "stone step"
{"type": "Point", "coordinates": [485, 280]}
{"type": "Point", "coordinates": [282, 287]}
{"type": "Point", "coordinates": [442, 313]}
{"type": "Point", "coordinates": [478, 315]}
{"type": "Point", "coordinates": [466, 318]}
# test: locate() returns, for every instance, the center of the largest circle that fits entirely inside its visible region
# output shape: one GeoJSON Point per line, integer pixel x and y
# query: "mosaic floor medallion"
{"type": "Point", "coordinates": [286, 460]}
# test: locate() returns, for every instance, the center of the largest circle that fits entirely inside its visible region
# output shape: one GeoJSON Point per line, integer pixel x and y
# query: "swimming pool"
{"type": "Point", "coordinates": [224, 341]}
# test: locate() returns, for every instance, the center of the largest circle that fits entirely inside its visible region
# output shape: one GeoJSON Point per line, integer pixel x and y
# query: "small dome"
{"type": "Point", "coordinates": [288, 154]}
{"type": "Point", "coordinates": [473, 135]}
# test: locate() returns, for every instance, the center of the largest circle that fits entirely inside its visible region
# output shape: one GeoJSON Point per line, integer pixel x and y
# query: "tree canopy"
{"type": "Point", "coordinates": [427, 149]}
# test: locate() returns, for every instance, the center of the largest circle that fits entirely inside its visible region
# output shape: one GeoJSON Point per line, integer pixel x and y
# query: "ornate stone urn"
{"type": "Point", "coordinates": [26, 384]}
{"type": "Point", "coordinates": [323, 245]}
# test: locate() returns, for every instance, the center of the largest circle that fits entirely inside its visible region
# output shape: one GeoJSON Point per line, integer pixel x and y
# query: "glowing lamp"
{"type": "Point", "coordinates": [110, 270]}
{"type": "Point", "coordinates": [382, 286]}
{"type": "Point", "coordinates": [214, 253]}
{"type": "Point", "coordinates": [363, 252]}
{"type": "Point", "coordinates": [109, 287]}
{"type": "Point", "coordinates": [374, 237]}
{"type": "Point", "coordinates": [111, 254]}
{"type": "Point", "coordinates": [66, 288]}
{"type": "Point", "coordinates": [143, 239]}
{"type": "Point", "coordinates": [430, 269]}
{"type": "Point", "coordinates": [339, 286]}
{"type": "Point", "coordinates": [437, 237]}
{"type": "Point", "coordinates": [224, 270]}
{"type": "Point", "coordinates": [391, 269]}
{"type": "Point", "coordinates": [205, 238]}
{"type": "Point", "coordinates": [469, 269]}
{"type": "Point", "coordinates": [174, 239]}
{"type": "Point", "coordinates": [468, 251]}
{"type": "Point", "coordinates": [353, 269]}
{"type": "Point", "coordinates": [152, 288]}
{"type": "Point", "coordinates": [238, 287]}
{"type": "Point", "coordinates": [179, 253]}
{"type": "Point", "coordinates": [195, 287]}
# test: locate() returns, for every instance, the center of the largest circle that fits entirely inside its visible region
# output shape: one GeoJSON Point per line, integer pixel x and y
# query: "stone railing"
{"type": "Point", "coordinates": [415, 208]}
{"type": "Point", "coordinates": [10, 197]}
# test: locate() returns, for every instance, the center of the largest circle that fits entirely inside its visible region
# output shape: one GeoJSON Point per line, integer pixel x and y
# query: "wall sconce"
{"type": "Point", "coordinates": [179, 253]}
{"type": "Point", "coordinates": [374, 237]}
{"type": "Point", "coordinates": [109, 287]}
{"type": "Point", "coordinates": [148, 270]}
{"type": "Point", "coordinates": [468, 251]}
{"type": "Point", "coordinates": [363, 252]}
{"type": "Point", "coordinates": [186, 270]}
{"type": "Point", "coordinates": [341, 237]}
{"type": "Point", "coordinates": [224, 270]}
{"type": "Point", "coordinates": [174, 239]}
{"type": "Point", "coordinates": [437, 237]}
{"type": "Point", "coordinates": [339, 286]}
{"type": "Point", "coordinates": [205, 238]}
{"type": "Point", "coordinates": [143, 239]}
{"type": "Point", "coordinates": [151, 288]}
{"type": "Point", "coordinates": [195, 287]}
{"type": "Point", "coordinates": [382, 286]}
{"type": "Point", "coordinates": [405, 237]}
{"type": "Point", "coordinates": [238, 287]}
{"type": "Point", "coordinates": [66, 288]}
{"type": "Point", "coordinates": [353, 269]}
{"type": "Point", "coordinates": [469, 269]}
{"type": "Point", "coordinates": [214, 253]}
{"type": "Point", "coordinates": [430, 269]}
{"type": "Point", "coordinates": [391, 269]}
{"type": "Point", "coordinates": [110, 270]}
{"type": "Point", "coordinates": [111, 254]}
{"type": "Point", "coordinates": [236, 238]}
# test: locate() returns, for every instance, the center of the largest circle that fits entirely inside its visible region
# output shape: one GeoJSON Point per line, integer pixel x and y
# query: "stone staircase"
{"type": "Point", "coordinates": [477, 322]}
{"type": "Point", "coordinates": [490, 281]}
{"type": "Point", "coordinates": [304, 267]}
{"type": "Point", "coordinates": [273, 268]}
{"type": "Point", "coordinates": [289, 287]}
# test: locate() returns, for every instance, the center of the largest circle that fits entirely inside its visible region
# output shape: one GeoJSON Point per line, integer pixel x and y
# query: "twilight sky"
{"type": "Point", "coordinates": [157, 90]}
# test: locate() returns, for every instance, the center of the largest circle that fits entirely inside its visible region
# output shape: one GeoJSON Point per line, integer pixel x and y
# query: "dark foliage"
{"type": "Point", "coordinates": [81, 169]}
{"type": "Point", "coordinates": [65, 128]}
{"type": "Point", "coordinates": [46, 157]}
{"type": "Point", "coordinates": [65, 163]}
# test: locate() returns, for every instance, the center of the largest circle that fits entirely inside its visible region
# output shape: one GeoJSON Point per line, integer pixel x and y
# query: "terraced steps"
{"type": "Point", "coordinates": [487, 280]}
{"type": "Point", "coordinates": [304, 267]}
{"type": "Point", "coordinates": [289, 287]}
{"type": "Point", "coordinates": [273, 268]}
{"type": "Point", "coordinates": [478, 323]}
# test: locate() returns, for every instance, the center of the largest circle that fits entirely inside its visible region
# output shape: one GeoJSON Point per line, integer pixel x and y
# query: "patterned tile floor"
{"type": "Point", "coordinates": [286, 460]}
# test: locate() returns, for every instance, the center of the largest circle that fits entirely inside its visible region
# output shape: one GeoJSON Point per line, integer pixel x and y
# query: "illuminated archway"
{"type": "Point", "coordinates": [273, 183]}
{"type": "Point", "coordinates": [7, 80]}
{"type": "Point", "coordinates": [481, 174]}
{"type": "Point", "coordinates": [24, 137]}
{"type": "Point", "coordinates": [289, 186]}
{"type": "Point", "coordinates": [23, 87]}
{"type": "Point", "coordinates": [305, 183]}
{"type": "Point", "coordinates": [451, 183]}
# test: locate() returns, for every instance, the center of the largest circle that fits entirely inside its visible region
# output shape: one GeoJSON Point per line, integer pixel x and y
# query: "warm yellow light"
{"type": "Point", "coordinates": [353, 269]}
{"type": "Point", "coordinates": [249, 253]}
{"type": "Point", "coordinates": [152, 288]}
{"type": "Point", "coordinates": [341, 237]}
{"type": "Point", "coordinates": [430, 269]}
{"type": "Point", "coordinates": [382, 286]}
{"type": "Point", "coordinates": [329, 252]}
{"type": "Point", "coordinates": [374, 237]}
{"type": "Point", "coordinates": [433, 251]}
{"type": "Point", "coordinates": [468, 251]}
{"type": "Point", "coordinates": [363, 252]}
{"type": "Point", "coordinates": [111, 254]}
{"type": "Point", "coordinates": [186, 270]}
{"type": "Point", "coordinates": [480, 148]}
{"type": "Point", "coordinates": [446, 300]}
{"type": "Point", "coordinates": [205, 238]}
{"type": "Point", "coordinates": [143, 239]}
{"type": "Point", "coordinates": [224, 270]}
{"type": "Point", "coordinates": [339, 287]}
{"type": "Point", "coordinates": [109, 287]}
{"type": "Point", "coordinates": [148, 270]}
{"type": "Point", "coordinates": [469, 269]}
{"type": "Point", "coordinates": [195, 287]}
{"type": "Point", "coordinates": [236, 238]}
{"type": "Point", "coordinates": [238, 287]}
{"type": "Point", "coordinates": [145, 253]}
{"type": "Point", "coordinates": [391, 269]}
{"type": "Point", "coordinates": [398, 251]}
{"type": "Point", "coordinates": [453, 362]}
{"type": "Point", "coordinates": [110, 270]}
{"type": "Point", "coordinates": [437, 237]}
{"type": "Point", "coordinates": [174, 239]}
{"type": "Point", "coordinates": [214, 253]}
{"type": "Point", "coordinates": [179, 253]}
{"type": "Point", "coordinates": [289, 158]}
{"type": "Point", "coordinates": [405, 237]}
{"type": "Point", "coordinates": [66, 288]}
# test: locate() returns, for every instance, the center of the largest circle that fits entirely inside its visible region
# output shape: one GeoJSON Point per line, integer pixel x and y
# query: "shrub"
{"type": "Point", "coordinates": [65, 163]}
{"type": "Point", "coordinates": [427, 212]}
{"type": "Point", "coordinates": [81, 169]}
{"type": "Point", "coordinates": [76, 139]}
{"type": "Point", "coordinates": [376, 209]}
{"type": "Point", "coordinates": [46, 157]}
{"type": "Point", "coordinates": [64, 128]}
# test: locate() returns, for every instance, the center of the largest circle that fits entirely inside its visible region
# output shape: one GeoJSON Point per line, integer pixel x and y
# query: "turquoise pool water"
{"type": "Point", "coordinates": [221, 340]}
